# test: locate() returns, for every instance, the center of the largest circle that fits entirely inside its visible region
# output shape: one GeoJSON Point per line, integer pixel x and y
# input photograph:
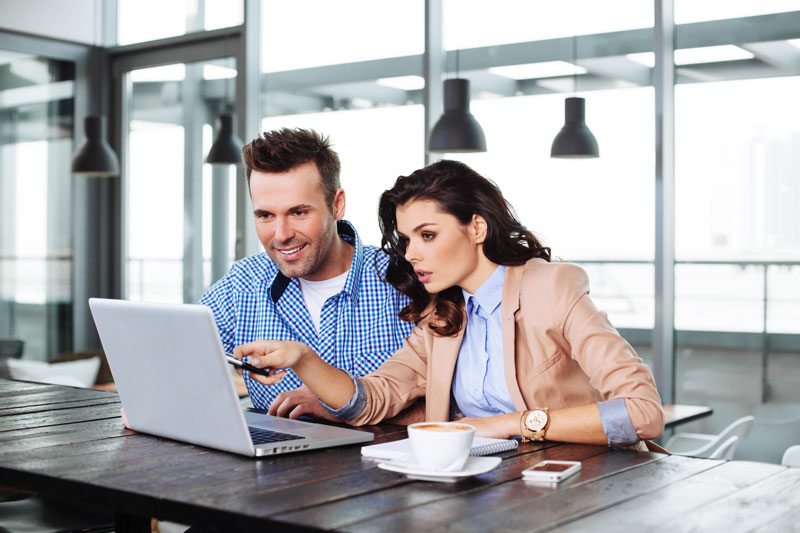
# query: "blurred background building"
{"type": "Point", "coordinates": [688, 223]}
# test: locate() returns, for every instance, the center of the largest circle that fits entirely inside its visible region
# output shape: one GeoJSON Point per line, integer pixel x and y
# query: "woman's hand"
{"type": "Point", "coordinates": [331, 385]}
{"type": "Point", "coordinates": [498, 427]}
{"type": "Point", "coordinates": [273, 355]}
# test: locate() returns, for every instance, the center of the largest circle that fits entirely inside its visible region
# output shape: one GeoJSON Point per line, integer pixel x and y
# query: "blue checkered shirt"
{"type": "Point", "coordinates": [359, 328]}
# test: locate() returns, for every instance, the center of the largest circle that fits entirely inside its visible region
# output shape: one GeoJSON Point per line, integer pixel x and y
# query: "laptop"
{"type": "Point", "coordinates": [174, 382]}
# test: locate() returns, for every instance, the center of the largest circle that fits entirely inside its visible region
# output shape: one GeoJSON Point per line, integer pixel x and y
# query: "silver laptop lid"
{"type": "Point", "coordinates": [171, 374]}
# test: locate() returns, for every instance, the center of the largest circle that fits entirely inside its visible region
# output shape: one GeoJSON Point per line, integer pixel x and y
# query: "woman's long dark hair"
{"type": "Point", "coordinates": [461, 192]}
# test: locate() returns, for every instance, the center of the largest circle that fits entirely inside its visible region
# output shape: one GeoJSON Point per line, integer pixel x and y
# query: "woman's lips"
{"type": "Point", "coordinates": [424, 277]}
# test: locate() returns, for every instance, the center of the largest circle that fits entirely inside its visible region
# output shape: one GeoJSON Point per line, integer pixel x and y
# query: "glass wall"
{"type": "Point", "coordinates": [36, 121]}
{"type": "Point", "coordinates": [371, 110]}
{"type": "Point", "coordinates": [582, 209]}
{"type": "Point", "coordinates": [737, 237]}
{"type": "Point", "coordinates": [687, 11]}
{"type": "Point", "coordinates": [136, 22]}
{"type": "Point", "coordinates": [738, 251]}
{"type": "Point", "coordinates": [171, 199]}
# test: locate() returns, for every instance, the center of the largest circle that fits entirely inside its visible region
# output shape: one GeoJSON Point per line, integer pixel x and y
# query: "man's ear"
{"type": "Point", "coordinates": [478, 228]}
{"type": "Point", "coordinates": [338, 204]}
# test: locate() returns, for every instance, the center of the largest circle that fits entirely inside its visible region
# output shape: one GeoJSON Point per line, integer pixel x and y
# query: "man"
{"type": "Point", "coordinates": [316, 283]}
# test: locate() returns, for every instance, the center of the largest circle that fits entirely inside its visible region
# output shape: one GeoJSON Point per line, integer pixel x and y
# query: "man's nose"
{"type": "Point", "coordinates": [283, 230]}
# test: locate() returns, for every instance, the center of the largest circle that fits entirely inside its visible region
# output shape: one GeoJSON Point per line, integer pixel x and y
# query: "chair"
{"type": "Point", "coordinates": [43, 516]}
{"type": "Point", "coordinates": [725, 450]}
{"type": "Point", "coordinates": [791, 457]}
{"type": "Point", "coordinates": [703, 445]}
{"type": "Point", "coordinates": [9, 349]}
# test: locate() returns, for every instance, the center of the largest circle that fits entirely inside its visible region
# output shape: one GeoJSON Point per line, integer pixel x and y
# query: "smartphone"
{"type": "Point", "coordinates": [247, 366]}
{"type": "Point", "coordinates": [551, 471]}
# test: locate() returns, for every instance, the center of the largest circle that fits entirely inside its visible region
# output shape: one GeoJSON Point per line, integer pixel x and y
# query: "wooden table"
{"type": "Point", "coordinates": [70, 443]}
{"type": "Point", "coordinates": [676, 414]}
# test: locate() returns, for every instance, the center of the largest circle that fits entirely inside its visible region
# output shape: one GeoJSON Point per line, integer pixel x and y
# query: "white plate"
{"type": "Point", "coordinates": [409, 467]}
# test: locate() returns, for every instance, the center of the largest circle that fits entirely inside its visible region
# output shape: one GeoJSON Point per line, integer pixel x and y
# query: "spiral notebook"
{"type": "Point", "coordinates": [400, 448]}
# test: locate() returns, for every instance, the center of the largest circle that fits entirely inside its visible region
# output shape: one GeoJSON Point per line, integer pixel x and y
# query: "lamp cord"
{"type": "Point", "coordinates": [226, 98]}
{"type": "Point", "coordinates": [458, 45]}
{"type": "Point", "coordinates": [574, 47]}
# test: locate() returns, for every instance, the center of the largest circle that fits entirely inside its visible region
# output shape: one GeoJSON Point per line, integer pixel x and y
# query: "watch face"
{"type": "Point", "coordinates": [536, 420]}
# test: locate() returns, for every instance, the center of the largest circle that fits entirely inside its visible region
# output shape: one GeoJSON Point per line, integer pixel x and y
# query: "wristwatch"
{"type": "Point", "coordinates": [536, 421]}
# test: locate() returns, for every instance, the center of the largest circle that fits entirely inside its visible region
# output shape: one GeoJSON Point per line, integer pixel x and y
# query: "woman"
{"type": "Point", "coordinates": [508, 339]}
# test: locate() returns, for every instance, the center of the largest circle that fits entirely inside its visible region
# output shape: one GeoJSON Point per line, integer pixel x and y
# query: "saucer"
{"type": "Point", "coordinates": [410, 467]}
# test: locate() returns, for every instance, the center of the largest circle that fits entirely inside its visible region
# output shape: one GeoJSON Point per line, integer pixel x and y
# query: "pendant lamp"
{"type": "Point", "coordinates": [227, 147]}
{"type": "Point", "coordinates": [575, 140]}
{"type": "Point", "coordinates": [95, 157]}
{"type": "Point", "coordinates": [457, 130]}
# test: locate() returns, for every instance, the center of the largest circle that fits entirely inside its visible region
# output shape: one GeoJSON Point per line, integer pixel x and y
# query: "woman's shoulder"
{"type": "Point", "coordinates": [540, 271]}
{"type": "Point", "coordinates": [556, 280]}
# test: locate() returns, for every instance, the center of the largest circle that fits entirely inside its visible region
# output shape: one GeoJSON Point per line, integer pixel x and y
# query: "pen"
{"type": "Point", "coordinates": [247, 366]}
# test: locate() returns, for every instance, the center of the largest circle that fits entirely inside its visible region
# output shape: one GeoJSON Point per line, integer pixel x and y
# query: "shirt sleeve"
{"type": "Point", "coordinates": [354, 406]}
{"type": "Point", "coordinates": [609, 361]}
{"type": "Point", "coordinates": [617, 423]}
{"type": "Point", "coordinates": [219, 298]}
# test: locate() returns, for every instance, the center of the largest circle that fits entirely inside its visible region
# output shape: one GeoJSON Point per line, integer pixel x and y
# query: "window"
{"type": "Point", "coordinates": [36, 120]}
{"type": "Point", "coordinates": [170, 195]}
{"type": "Point", "coordinates": [136, 22]}
{"type": "Point", "coordinates": [582, 209]}
{"type": "Point", "coordinates": [370, 107]}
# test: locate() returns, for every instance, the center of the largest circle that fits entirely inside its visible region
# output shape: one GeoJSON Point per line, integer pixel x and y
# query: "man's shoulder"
{"type": "Point", "coordinates": [374, 263]}
{"type": "Point", "coordinates": [250, 273]}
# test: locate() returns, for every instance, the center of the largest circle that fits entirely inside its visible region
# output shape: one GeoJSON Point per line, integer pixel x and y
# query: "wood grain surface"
{"type": "Point", "coordinates": [71, 444]}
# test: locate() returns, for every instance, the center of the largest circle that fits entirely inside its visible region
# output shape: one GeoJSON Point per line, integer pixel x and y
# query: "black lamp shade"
{"type": "Point", "coordinates": [95, 157]}
{"type": "Point", "coordinates": [575, 140]}
{"type": "Point", "coordinates": [227, 147]}
{"type": "Point", "coordinates": [457, 130]}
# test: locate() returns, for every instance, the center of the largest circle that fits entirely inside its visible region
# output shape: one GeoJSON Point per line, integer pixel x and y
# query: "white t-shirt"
{"type": "Point", "coordinates": [316, 293]}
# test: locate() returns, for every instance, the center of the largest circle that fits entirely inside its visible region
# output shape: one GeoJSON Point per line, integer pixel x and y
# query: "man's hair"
{"type": "Point", "coordinates": [288, 148]}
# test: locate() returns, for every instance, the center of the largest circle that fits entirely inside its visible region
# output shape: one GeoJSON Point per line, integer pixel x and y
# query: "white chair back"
{"type": "Point", "coordinates": [791, 457]}
{"type": "Point", "coordinates": [738, 428]}
{"type": "Point", "coordinates": [706, 445]}
{"type": "Point", "coordinates": [725, 450]}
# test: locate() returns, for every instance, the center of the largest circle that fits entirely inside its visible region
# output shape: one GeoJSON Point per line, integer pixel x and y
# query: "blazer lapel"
{"type": "Point", "coordinates": [509, 308]}
{"type": "Point", "coordinates": [442, 366]}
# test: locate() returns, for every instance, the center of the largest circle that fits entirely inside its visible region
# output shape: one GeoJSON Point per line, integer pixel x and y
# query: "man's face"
{"type": "Point", "coordinates": [293, 221]}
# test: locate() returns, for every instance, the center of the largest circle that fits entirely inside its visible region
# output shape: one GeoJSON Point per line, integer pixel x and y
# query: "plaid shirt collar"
{"type": "Point", "coordinates": [347, 232]}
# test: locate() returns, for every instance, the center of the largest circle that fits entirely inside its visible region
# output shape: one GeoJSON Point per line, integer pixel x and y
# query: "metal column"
{"type": "Point", "coordinates": [663, 82]}
{"type": "Point", "coordinates": [433, 69]}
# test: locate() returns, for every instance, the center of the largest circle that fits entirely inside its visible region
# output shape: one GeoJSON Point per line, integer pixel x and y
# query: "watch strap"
{"type": "Point", "coordinates": [522, 416]}
{"type": "Point", "coordinates": [538, 435]}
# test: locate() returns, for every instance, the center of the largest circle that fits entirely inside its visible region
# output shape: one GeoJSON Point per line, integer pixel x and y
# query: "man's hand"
{"type": "Point", "coordinates": [297, 402]}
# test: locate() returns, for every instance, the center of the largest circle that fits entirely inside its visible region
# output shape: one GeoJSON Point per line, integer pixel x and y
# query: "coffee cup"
{"type": "Point", "coordinates": [441, 446]}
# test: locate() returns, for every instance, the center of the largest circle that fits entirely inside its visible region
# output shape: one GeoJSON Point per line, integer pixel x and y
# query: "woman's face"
{"type": "Point", "coordinates": [442, 251]}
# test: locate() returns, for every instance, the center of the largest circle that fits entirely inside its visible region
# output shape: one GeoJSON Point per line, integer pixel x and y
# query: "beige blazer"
{"type": "Point", "coordinates": [559, 351]}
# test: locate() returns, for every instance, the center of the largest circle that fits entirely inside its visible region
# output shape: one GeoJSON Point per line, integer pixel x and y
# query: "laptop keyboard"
{"type": "Point", "coordinates": [261, 436]}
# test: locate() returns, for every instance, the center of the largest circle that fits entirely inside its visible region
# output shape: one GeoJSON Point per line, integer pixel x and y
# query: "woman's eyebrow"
{"type": "Point", "coordinates": [423, 225]}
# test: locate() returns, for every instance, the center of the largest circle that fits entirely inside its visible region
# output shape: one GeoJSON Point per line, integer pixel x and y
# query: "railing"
{"type": "Point", "coordinates": [767, 341]}
{"type": "Point", "coordinates": [36, 279]}
{"type": "Point", "coordinates": [49, 279]}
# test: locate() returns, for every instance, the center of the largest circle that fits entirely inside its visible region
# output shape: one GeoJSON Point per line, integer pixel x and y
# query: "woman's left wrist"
{"type": "Point", "coordinates": [511, 424]}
